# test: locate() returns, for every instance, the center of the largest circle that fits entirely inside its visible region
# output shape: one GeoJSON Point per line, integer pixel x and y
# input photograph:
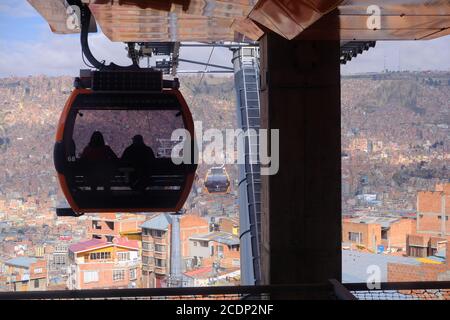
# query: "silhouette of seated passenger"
{"type": "Point", "coordinates": [97, 150]}
{"type": "Point", "coordinates": [100, 162]}
{"type": "Point", "coordinates": [139, 156]}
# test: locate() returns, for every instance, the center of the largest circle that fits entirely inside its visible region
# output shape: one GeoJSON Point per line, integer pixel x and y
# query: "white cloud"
{"type": "Point", "coordinates": [47, 53]}
{"type": "Point", "coordinates": [18, 9]}
{"type": "Point", "coordinates": [53, 54]}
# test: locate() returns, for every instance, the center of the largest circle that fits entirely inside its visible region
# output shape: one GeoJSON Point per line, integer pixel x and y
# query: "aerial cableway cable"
{"type": "Point", "coordinates": [202, 76]}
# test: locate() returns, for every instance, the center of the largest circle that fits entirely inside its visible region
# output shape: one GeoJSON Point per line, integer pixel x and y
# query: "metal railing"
{"type": "Point", "coordinates": [333, 290]}
{"type": "Point", "coordinates": [430, 290]}
{"type": "Point", "coordinates": [313, 291]}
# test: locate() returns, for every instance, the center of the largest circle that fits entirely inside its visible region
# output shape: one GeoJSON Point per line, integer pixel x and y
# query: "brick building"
{"type": "Point", "coordinates": [418, 245]}
{"type": "Point", "coordinates": [433, 211]}
{"type": "Point", "coordinates": [219, 248]}
{"type": "Point", "coordinates": [189, 225]}
{"type": "Point", "coordinates": [209, 275]}
{"type": "Point", "coordinates": [432, 222]}
{"type": "Point", "coordinates": [26, 274]}
{"type": "Point", "coordinates": [57, 261]}
{"type": "Point", "coordinates": [360, 144]}
{"type": "Point", "coordinates": [156, 236]}
{"type": "Point", "coordinates": [229, 225]}
{"type": "Point", "coordinates": [108, 226]}
{"type": "Point", "coordinates": [100, 264]}
{"type": "Point", "coordinates": [157, 245]}
{"type": "Point", "coordinates": [374, 233]}
{"type": "Point", "coordinates": [423, 272]}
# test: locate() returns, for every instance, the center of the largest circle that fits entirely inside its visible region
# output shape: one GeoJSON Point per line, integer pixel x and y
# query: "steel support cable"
{"type": "Point", "coordinates": [201, 78]}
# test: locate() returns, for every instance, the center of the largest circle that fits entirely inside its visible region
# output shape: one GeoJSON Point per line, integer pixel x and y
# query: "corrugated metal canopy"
{"type": "Point", "coordinates": [23, 262]}
{"type": "Point", "coordinates": [399, 19]}
{"type": "Point", "coordinates": [226, 20]}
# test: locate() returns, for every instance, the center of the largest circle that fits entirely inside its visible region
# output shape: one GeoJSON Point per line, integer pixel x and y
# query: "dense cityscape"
{"type": "Point", "coordinates": [395, 193]}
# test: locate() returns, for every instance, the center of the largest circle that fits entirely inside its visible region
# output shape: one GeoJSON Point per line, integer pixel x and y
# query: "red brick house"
{"type": "Point", "coordinates": [99, 264]}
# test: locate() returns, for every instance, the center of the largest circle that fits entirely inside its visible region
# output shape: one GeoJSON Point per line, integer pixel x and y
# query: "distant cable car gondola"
{"type": "Point", "coordinates": [106, 151]}
{"type": "Point", "coordinates": [217, 180]}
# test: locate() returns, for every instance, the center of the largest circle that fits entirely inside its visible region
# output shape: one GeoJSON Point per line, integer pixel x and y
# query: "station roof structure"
{"type": "Point", "coordinates": [236, 20]}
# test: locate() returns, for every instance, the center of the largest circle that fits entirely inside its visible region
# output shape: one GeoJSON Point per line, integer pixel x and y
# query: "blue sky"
{"type": "Point", "coordinates": [28, 47]}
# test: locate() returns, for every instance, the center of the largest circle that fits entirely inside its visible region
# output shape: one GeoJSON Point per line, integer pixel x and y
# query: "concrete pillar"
{"type": "Point", "coordinates": [301, 204]}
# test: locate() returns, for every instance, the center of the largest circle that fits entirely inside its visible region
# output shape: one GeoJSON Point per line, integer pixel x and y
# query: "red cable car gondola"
{"type": "Point", "coordinates": [108, 139]}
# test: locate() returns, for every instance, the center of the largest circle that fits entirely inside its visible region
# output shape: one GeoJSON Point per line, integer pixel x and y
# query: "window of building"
{"type": "Point", "coordinates": [133, 273]}
{"type": "Point", "coordinates": [196, 261]}
{"type": "Point", "coordinates": [148, 246]}
{"type": "Point", "coordinates": [38, 270]}
{"type": "Point", "coordinates": [157, 233]}
{"type": "Point", "coordinates": [220, 251]}
{"type": "Point", "coordinates": [355, 237]}
{"type": "Point", "coordinates": [148, 260]}
{"type": "Point", "coordinates": [384, 234]}
{"type": "Point", "coordinates": [417, 251]}
{"type": "Point", "coordinates": [36, 283]}
{"type": "Point", "coordinates": [123, 256]}
{"type": "Point", "coordinates": [195, 243]}
{"type": "Point", "coordinates": [100, 255]}
{"type": "Point", "coordinates": [96, 225]}
{"type": "Point", "coordinates": [160, 262]}
{"type": "Point", "coordinates": [61, 248]}
{"type": "Point", "coordinates": [160, 248]}
{"type": "Point", "coordinates": [431, 251]}
{"type": "Point", "coordinates": [110, 224]}
{"type": "Point", "coordinates": [90, 276]}
{"type": "Point", "coordinates": [59, 259]}
{"type": "Point", "coordinates": [118, 275]}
